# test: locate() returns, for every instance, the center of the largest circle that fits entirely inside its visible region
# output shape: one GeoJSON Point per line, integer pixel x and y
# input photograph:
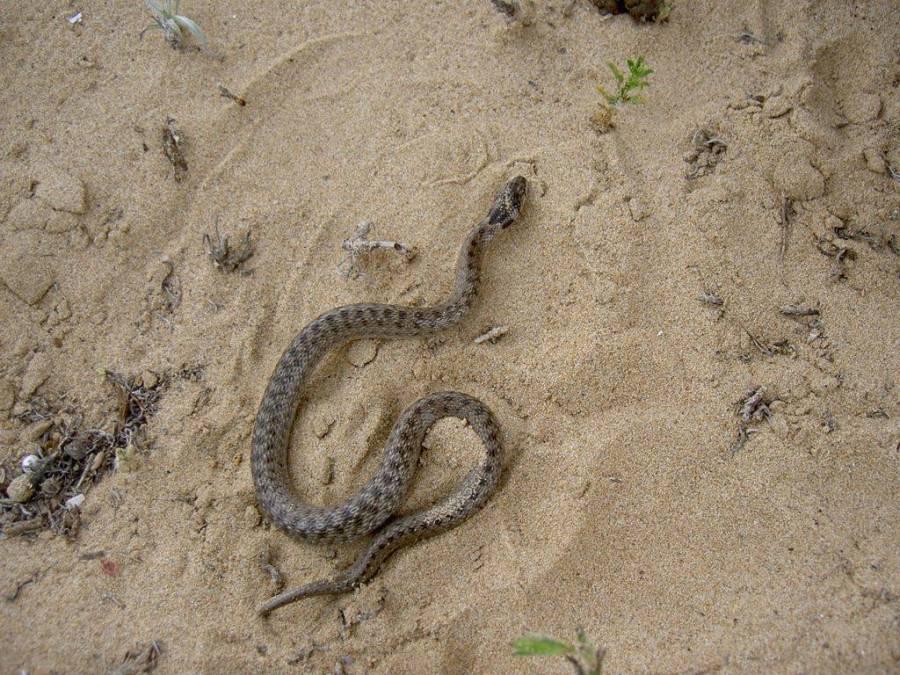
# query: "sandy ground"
{"type": "Point", "coordinates": [627, 507]}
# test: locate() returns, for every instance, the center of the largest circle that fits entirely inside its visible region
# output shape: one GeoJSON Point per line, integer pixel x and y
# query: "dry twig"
{"type": "Point", "coordinates": [172, 148]}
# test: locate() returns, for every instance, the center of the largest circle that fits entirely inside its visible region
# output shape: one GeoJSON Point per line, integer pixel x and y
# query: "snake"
{"type": "Point", "coordinates": [371, 509]}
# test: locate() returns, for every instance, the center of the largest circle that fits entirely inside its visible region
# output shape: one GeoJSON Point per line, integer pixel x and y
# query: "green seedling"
{"type": "Point", "coordinates": [638, 72]}
{"type": "Point", "coordinates": [585, 658]}
{"type": "Point", "coordinates": [167, 19]}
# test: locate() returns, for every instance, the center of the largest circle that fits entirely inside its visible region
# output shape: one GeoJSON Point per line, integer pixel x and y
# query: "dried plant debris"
{"type": "Point", "coordinates": [360, 610]}
{"type": "Point", "coordinates": [786, 218]}
{"type": "Point", "coordinates": [753, 407]}
{"type": "Point", "coordinates": [267, 564]}
{"type": "Point", "coordinates": [224, 92]}
{"type": "Point", "coordinates": [657, 11]}
{"type": "Point", "coordinates": [706, 151]}
{"type": "Point", "coordinates": [798, 310]}
{"type": "Point", "coordinates": [816, 331]}
{"type": "Point", "coordinates": [711, 299]}
{"type": "Point", "coordinates": [841, 255]}
{"type": "Point", "coordinates": [492, 334]}
{"type": "Point", "coordinates": [46, 486]}
{"type": "Point", "coordinates": [830, 244]}
{"type": "Point", "coordinates": [359, 244]}
{"type": "Point", "coordinates": [875, 242]}
{"type": "Point", "coordinates": [780, 347]}
{"type": "Point", "coordinates": [172, 146]}
{"type": "Point", "coordinates": [808, 316]}
{"type": "Point", "coordinates": [521, 11]}
{"type": "Point", "coordinates": [505, 7]}
{"type": "Point", "coordinates": [13, 594]}
{"type": "Point", "coordinates": [748, 38]}
{"type": "Point", "coordinates": [226, 257]}
{"type": "Point", "coordinates": [171, 287]}
{"type": "Point", "coordinates": [140, 659]}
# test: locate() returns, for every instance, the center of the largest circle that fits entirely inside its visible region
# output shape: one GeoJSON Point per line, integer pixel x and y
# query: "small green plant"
{"type": "Point", "coordinates": [638, 72]}
{"type": "Point", "coordinates": [167, 19]}
{"type": "Point", "coordinates": [585, 658]}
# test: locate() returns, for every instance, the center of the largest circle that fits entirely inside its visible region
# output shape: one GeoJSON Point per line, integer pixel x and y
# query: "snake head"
{"type": "Point", "coordinates": [508, 203]}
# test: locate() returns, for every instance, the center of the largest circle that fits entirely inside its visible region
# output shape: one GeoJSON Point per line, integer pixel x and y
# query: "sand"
{"type": "Point", "coordinates": [627, 507]}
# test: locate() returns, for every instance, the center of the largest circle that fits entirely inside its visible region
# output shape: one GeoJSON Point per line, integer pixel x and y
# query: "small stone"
{"type": "Point", "coordinates": [33, 432]}
{"type": "Point", "coordinates": [362, 352]}
{"type": "Point", "coordinates": [39, 369]}
{"type": "Point", "coordinates": [322, 425]}
{"type": "Point", "coordinates": [875, 161]}
{"type": "Point", "coordinates": [30, 463]}
{"type": "Point", "coordinates": [59, 189]}
{"type": "Point", "coordinates": [75, 502]}
{"type": "Point", "coordinates": [797, 178]}
{"type": "Point", "coordinates": [638, 209]}
{"type": "Point", "coordinates": [251, 516]}
{"type": "Point", "coordinates": [149, 379]}
{"type": "Point", "coordinates": [326, 476]}
{"type": "Point", "coordinates": [20, 489]}
{"type": "Point", "coordinates": [779, 426]}
{"type": "Point", "coordinates": [98, 460]}
{"type": "Point", "coordinates": [777, 106]}
{"type": "Point", "coordinates": [862, 108]}
{"type": "Point", "coordinates": [28, 277]}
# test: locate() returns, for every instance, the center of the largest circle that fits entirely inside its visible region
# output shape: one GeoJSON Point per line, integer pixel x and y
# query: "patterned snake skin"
{"type": "Point", "coordinates": [372, 506]}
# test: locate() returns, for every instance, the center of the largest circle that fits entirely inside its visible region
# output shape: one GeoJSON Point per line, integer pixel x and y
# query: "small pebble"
{"type": "Point", "coordinates": [75, 502]}
{"type": "Point", "coordinates": [874, 161]}
{"type": "Point", "coordinates": [33, 433]}
{"type": "Point", "coordinates": [779, 426]}
{"type": "Point", "coordinates": [20, 489]}
{"type": "Point", "coordinates": [251, 516]}
{"type": "Point", "coordinates": [862, 108]}
{"type": "Point", "coordinates": [362, 352]}
{"type": "Point", "coordinates": [30, 463]}
{"type": "Point", "coordinates": [326, 475]}
{"type": "Point", "coordinates": [777, 106]}
{"type": "Point", "coordinates": [322, 425]}
{"type": "Point", "coordinates": [638, 209]}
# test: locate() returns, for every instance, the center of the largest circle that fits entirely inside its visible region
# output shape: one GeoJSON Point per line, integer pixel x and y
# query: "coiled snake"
{"type": "Point", "coordinates": [371, 507]}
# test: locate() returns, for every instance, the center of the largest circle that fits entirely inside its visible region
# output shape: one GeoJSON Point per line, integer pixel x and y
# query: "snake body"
{"type": "Point", "coordinates": [371, 507]}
